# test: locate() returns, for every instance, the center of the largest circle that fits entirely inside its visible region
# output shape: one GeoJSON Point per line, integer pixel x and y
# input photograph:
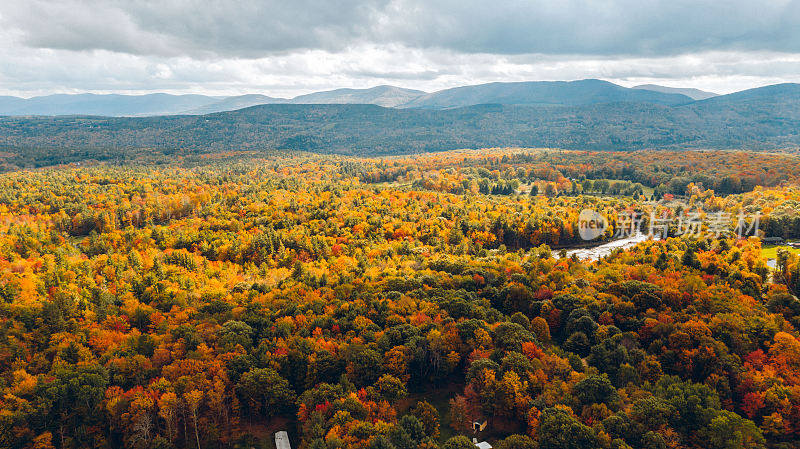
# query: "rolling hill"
{"type": "Point", "coordinates": [764, 118]}
{"type": "Point", "coordinates": [114, 105]}
{"type": "Point", "coordinates": [694, 94]}
{"type": "Point", "coordinates": [387, 96]}
{"type": "Point", "coordinates": [234, 103]}
{"type": "Point", "coordinates": [563, 93]}
{"type": "Point", "coordinates": [8, 103]}
{"type": "Point", "coordinates": [107, 105]}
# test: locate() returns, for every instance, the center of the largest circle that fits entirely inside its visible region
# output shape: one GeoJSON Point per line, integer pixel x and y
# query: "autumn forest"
{"type": "Point", "coordinates": [398, 302]}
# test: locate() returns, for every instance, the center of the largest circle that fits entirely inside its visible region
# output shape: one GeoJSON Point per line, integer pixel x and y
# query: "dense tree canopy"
{"type": "Point", "coordinates": [208, 306]}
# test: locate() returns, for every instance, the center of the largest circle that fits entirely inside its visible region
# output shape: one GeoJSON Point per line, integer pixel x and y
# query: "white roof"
{"type": "Point", "coordinates": [483, 445]}
{"type": "Point", "coordinates": [282, 440]}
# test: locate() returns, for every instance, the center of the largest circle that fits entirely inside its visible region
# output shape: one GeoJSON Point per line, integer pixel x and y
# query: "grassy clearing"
{"type": "Point", "coordinates": [440, 399]}
{"type": "Point", "coordinates": [771, 251]}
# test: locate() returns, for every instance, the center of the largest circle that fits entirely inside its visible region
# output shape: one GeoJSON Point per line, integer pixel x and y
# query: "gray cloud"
{"type": "Point", "coordinates": [35, 72]}
{"type": "Point", "coordinates": [286, 49]}
{"type": "Point", "coordinates": [191, 27]}
{"type": "Point", "coordinates": [253, 29]}
{"type": "Point", "coordinates": [616, 27]}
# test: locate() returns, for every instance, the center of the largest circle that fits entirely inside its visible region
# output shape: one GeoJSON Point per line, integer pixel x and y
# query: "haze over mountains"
{"type": "Point", "coordinates": [564, 93]}
{"type": "Point", "coordinates": [387, 96]}
{"type": "Point", "coordinates": [108, 105]}
{"type": "Point", "coordinates": [694, 94]}
{"type": "Point", "coordinates": [765, 118]}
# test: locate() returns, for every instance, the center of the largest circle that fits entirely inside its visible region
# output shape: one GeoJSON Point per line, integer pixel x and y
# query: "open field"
{"type": "Point", "coordinates": [771, 251]}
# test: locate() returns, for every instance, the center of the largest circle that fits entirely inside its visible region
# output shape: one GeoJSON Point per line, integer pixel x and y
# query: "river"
{"type": "Point", "coordinates": [600, 251]}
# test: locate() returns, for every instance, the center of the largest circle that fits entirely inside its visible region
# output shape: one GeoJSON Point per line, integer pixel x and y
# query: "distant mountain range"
{"type": "Point", "coordinates": [387, 96]}
{"type": "Point", "coordinates": [107, 105]}
{"type": "Point", "coordinates": [559, 93]}
{"type": "Point", "coordinates": [563, 93]}
{"type": "Point", "coordinates": [694, 94]}
{"type": "Point", "coordinates": [762, 119]}
{"type": "Point", "coordinates": [232, 103]}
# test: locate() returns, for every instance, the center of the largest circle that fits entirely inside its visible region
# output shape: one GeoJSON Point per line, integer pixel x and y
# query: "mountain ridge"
{"type": "Point", "coordinates": [104, 104]}
{"type": "Point", "coordinates": [565, 93]}
{"type": "Point", "coordinates": [765, 118]}
{"type": "Point", "coordinates": [526, 92]}
{"type": "Point", "coordinates": [383, 95]}
{"type": "Point", "coordinates": [695, 94]}
{"type": "Point", "coordinates": [234, 103]}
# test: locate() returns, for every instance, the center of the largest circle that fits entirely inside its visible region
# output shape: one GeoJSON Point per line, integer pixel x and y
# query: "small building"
{"type": "Point", "coordinates": [482, 444]}
{"type": "Point", "coordinates": [772, 239]}
{"type": "Point", "coordinates": [282, 440]}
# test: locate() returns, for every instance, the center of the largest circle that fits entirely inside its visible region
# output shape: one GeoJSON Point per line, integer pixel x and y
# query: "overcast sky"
{"type": "Point", "coordinates": [286, 48]}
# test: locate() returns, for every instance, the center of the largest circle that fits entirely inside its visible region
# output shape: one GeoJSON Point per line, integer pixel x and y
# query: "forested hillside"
{"type": "Point", "coordinates": [763, 119]}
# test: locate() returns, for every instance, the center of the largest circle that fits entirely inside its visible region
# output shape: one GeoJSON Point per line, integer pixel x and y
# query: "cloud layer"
{"type": "Point", "coordinates": [286, 48]}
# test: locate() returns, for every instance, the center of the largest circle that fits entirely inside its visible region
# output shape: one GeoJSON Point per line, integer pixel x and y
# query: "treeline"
{"type": "Point", "coordinates": [676, 173]}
